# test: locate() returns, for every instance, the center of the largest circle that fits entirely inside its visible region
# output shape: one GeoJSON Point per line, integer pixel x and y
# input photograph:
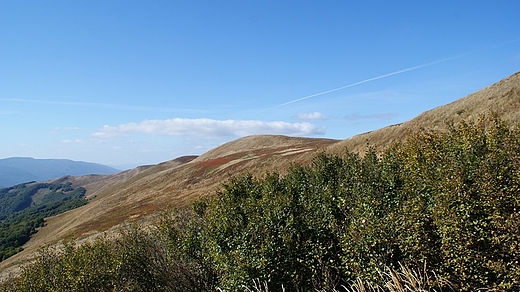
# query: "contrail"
{"type": "Point", "coordinates": [373, 79]}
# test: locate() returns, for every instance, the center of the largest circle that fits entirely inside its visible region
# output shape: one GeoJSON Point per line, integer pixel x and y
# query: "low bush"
{"type": "Point", "coordinates": [450, 200]}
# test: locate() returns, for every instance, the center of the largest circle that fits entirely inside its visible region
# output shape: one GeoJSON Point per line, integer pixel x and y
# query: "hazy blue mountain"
{"type": "Point", "coordinates": [16, 170]}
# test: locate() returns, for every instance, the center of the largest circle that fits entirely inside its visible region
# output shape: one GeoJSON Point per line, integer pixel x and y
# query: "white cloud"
{"type": "Point", "coordinates": [79, 141]}
{"type": "Point", "coordinates": [311, 116]}
{"type": "Point", "coordinates": [210, 128]}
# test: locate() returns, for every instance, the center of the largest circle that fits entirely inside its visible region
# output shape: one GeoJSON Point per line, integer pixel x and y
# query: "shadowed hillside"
{"type": "Point", "coordinates": [23, 208]}
{"type": "Point", "coordinates": [139, 193]}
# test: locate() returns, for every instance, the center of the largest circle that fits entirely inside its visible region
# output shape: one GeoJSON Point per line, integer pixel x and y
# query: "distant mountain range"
{"type": "Point", "coordinates": [16, 170]}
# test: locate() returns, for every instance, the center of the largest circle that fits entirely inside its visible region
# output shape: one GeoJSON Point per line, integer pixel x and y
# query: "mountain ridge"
{"type": "Point", "coordinates": [16, 170]}
{"type": "Point", "coordinates": [501, 98]}
{"type": "Point", "coordinates": [140, 193]}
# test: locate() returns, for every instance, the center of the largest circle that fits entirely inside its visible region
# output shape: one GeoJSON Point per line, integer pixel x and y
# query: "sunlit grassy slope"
{"type": "Point", "coordinates": [139, 193]}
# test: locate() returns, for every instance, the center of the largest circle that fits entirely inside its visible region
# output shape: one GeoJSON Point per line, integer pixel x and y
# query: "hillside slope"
{"type": "Point", "coordinates": [136, 194]}
{"type": "Point", "coordinates": [501, 98]}
{"type": "Point", "coordinates": [23, 208]}
{"type": "Point", "coordinates": [140, 192]}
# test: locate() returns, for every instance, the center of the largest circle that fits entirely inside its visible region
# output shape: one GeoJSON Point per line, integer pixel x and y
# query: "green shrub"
{"type": "Point", "coordinates": [446, 200]}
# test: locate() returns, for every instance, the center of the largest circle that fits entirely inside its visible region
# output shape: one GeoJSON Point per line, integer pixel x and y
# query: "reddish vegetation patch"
{"type": "Point", "coordinates": [213, 163]}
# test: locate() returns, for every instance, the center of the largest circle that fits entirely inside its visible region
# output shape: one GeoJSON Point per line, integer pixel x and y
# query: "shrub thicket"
{"type": "Point", "coordinates": [447, 200]}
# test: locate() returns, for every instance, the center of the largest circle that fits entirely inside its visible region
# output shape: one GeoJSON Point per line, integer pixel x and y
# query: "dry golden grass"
{"type": "Point", "coordinates": [135, 194]}
{"type": "Point", "coordinates": [403, 280]}
{"type": "Point", "coordinates": [501, 98]}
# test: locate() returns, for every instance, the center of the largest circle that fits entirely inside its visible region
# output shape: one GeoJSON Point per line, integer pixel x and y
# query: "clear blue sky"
{"type": "Point", "coordinates": [141, 82]}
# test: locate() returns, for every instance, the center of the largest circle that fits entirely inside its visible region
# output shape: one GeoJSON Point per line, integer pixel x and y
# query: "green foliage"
{"type": "Point", "coordinates": [133, 261]}
{"type": "Point", "coordinates": [465, 185]}
{"type": "Point", "coordinates": [448, 201]}
{"type": "Point", "coordinates": [16, 198]}
{"type": "Point", "coordinates": [24, 208]}
{"type": "Point", "coordinates": [183, 233]}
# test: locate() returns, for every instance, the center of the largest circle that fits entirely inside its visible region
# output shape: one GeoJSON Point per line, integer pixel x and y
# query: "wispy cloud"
{"type": "Point", "coordinates": [76, 141]}
{"type": "Point", "coordinates": [381, 116]}
{"type": "Point", "coordinates": [98, 105]}
{"type": "Point", "coordinates": [210, 128]}
{"type": "Point", "coordinates": [80, 141]}
{"type": "Point", "coordinates": [311, 116]}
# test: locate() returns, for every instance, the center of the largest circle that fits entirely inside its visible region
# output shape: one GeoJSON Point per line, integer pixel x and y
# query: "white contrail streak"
{"type": "Point", "coordinates": [372, 79]}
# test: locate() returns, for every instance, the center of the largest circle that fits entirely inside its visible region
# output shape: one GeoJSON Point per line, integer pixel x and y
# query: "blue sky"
{"type": "Point", "coordinates": [140, 82]}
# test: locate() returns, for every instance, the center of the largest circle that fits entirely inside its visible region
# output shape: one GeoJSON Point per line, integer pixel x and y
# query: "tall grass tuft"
{"type": "Point", "coordinates": [403, 280]}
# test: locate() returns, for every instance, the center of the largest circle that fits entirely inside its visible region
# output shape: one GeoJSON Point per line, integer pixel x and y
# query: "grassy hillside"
{"type": "Point", "coordinates": [501, 98]}
{"type": "Point", "coordinates": [137, 195]}
{"type": "Point", "coordinates": [441, 207]}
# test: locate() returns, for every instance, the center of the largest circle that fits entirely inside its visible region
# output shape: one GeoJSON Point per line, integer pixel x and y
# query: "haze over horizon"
{"type": "Point", "coordinates": [133, 83]}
